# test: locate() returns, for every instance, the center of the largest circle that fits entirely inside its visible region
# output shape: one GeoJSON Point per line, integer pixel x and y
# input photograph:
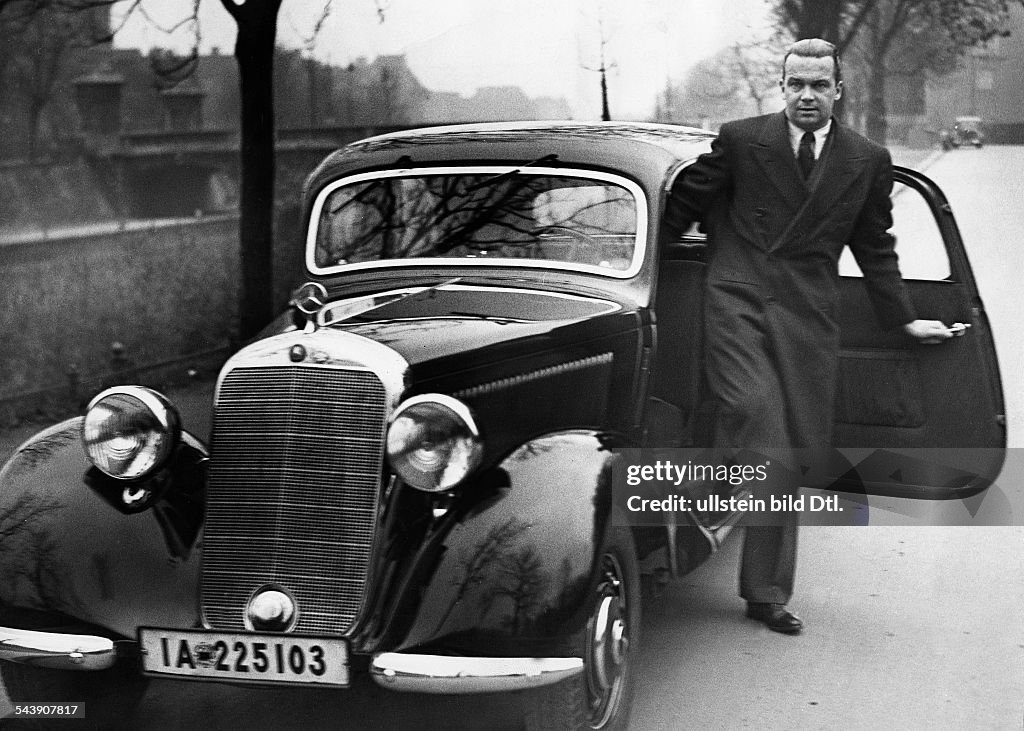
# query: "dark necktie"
{"type": "Point", "coordinates": [805, 155]}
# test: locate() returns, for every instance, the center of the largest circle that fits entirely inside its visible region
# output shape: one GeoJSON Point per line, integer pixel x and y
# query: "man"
{"type": "Point", "coordinates": [780, 195]}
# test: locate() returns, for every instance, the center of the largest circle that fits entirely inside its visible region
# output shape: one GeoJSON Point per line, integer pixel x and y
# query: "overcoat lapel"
{"type": "Point", "coordinates": [774, 155]}
{"type": "Point", "coordinates": [842, 165]}
{"type": "Point", "coordinates": [835, 172]}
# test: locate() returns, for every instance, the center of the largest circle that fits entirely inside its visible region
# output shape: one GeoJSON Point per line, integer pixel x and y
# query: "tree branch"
{"type": "Point", "coordinates": [855, 25]}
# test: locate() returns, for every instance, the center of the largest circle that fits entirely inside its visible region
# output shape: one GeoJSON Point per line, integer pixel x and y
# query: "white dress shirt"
{"type": "Point", "coordinates": [820, 135]}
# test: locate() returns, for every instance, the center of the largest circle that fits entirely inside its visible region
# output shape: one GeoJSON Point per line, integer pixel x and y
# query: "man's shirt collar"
{"type": "Point", "coordinates": [820, 135]}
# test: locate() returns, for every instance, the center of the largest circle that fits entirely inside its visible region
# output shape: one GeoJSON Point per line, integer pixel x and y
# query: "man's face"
{"type": "Point", "coordinates": [810, 90]}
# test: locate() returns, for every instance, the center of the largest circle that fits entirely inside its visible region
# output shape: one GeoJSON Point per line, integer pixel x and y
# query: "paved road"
{"type": "Point", "coordinates": [985, 188]}
{"type": "Point", "coordinates": [908, 627]}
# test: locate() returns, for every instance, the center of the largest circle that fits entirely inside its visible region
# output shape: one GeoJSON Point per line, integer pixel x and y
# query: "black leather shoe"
{"type": "Point", "coordinates": [776, 617]}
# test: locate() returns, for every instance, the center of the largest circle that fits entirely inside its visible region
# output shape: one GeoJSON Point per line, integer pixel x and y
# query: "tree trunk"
{"type": "Point", "coordinates": [818, 19]}
{"type": "Point", "coordinates": [876, 125]}
{"type": "Point", "coordinates": [254, 51]}
{"type": "Point", "coordinates": [606, 113]}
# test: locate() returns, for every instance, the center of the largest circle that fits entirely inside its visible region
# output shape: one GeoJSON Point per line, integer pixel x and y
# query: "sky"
{"type": "Point", "coordinates": [546, 47]}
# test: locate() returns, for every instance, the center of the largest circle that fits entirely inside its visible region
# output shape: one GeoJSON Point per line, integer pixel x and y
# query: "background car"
{"type": "Point", "coordinates": [411, 472]}
{"type": "Point", "coordinates": [966, 131]}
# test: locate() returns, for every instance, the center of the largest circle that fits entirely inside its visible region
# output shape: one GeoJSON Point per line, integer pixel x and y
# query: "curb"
{"type": "Point", "coordinates": [930, 160]}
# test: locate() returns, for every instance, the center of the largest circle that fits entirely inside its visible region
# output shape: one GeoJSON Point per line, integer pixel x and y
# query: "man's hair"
{"type": "Point", "coordinates": [814, 48]}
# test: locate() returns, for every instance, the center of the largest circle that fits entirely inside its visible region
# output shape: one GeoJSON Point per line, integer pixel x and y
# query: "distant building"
{"type": "Point", "coordinates": [217, 75]}
{"type": "Point", "coordinates": [491, 104]}
{"type": "Point", "coordinates": [444, 107]}
{"type": "Point", "coordinates": [151, 145]}
{"type": "Point", "coordinates": [550, 107]}
{"type": "Point", "coordinates": [121, 91]}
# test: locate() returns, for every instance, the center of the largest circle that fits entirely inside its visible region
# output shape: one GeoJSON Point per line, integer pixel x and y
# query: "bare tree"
{"type": "Point", "coordinates": [476, 568]}
{"type": "Point", "coordinates": [37, 37]}
{"type": "Point", "coordinates": [836, 21]}
{"type": "Point", "coordinates": [254, 52]}
{"type": "Point", "coordinates": [309, 43]}
{"type": "Point", "coordinates": [603, 66]}
{"type": "Point", "coordinates": [755, 63]}
{"type": "Point", "coordinates": [34, 73]}
{"type": "Point", "coordinates": [720, 87]}
{"type": "Point", "coordinates": [256, 24]}
{"type": "Point", "coordinates": [524, 583]}
{"type": "Point", "coordinates": [910, 37]}
{"type": "Point", "coordinates": [884, 32]}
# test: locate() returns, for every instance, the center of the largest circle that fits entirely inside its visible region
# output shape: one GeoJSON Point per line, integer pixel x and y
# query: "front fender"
{"type": "Point", "coordinates": [70, 545]}
{"type": "Point", "coordinates": [513, 573]}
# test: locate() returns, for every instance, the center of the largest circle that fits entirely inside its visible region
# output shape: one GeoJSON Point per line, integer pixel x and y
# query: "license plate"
{"type": "Point", "coordinates": [245, 656]}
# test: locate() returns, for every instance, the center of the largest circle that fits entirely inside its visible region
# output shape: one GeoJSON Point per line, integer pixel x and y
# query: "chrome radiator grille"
{"type": "Point", "coordinates": [293, 490]}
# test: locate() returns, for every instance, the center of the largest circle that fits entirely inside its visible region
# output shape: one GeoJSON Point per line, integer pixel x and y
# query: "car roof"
{"type": "Point", "coordinates": [644, 151]}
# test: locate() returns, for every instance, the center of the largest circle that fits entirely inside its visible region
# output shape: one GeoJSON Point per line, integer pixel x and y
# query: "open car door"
{"type": "Point", "coordinates": [921, 421]}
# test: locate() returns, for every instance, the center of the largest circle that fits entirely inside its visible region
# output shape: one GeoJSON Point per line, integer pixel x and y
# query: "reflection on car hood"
{"type": "Point", "coordinates": [457, 319]}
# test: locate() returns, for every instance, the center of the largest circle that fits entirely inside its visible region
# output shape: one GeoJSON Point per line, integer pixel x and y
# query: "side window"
{"type": "Point", "coordinates": [918, 239]}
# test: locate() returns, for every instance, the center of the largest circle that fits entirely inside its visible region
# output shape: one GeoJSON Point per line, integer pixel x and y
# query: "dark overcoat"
{"type": "Point", "coordinates": [772, 277]}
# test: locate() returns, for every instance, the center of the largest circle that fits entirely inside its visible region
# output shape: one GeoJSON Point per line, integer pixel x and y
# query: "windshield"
{"type": "Point", "coordinates": [505, 216]}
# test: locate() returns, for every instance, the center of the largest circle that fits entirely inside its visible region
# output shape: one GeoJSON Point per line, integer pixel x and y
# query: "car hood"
{"type": "Point", "coordinates": [473, 323]}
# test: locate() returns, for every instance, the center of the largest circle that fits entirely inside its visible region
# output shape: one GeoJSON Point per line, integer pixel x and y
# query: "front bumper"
{"type": "Point", "coordinates": [56, 650]}
{"type": "Point", "coordinates": [397, 671]}
{"type": "Point", "coordinates": [446, 674]}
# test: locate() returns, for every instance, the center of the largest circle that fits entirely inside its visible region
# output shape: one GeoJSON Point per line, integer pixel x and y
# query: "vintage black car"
{"type": "Point", "coordinates": [409, 471]}
{"type": "Point", "coordinates": [966, 131]}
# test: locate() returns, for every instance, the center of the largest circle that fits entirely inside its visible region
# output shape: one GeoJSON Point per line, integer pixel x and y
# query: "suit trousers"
{"type": "Point", "coordinates": [752, 419]}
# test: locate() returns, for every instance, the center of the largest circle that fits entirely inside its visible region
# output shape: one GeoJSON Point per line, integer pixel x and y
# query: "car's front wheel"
{"type": "Point", "coordinates": [110, 696]}
{"type": "Point", "coordinates": [599, 697]}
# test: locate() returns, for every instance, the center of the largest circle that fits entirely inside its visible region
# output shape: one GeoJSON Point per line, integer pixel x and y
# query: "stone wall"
{"type": "Point", "coordinates": [35, 197]}
{"type": "Point", "coordinates": [149, 303]}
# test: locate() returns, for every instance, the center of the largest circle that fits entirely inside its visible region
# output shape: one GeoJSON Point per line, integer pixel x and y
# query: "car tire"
{"type": "Point", "coordinates": [600, 697]}
{"type": "Point", "coordinates": [110, 696]}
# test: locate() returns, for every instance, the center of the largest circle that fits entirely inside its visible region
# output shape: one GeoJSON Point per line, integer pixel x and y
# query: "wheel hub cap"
{"type": "Point", "coordinates": [608, 643]}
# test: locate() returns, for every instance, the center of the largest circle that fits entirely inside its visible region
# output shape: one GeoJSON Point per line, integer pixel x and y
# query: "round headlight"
{"type": "Point", "coordinates": [129, 431]}
{"type": "Point", "coordinates": [433, 442]}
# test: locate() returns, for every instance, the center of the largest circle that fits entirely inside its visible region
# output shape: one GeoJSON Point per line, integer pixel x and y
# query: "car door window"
{"type": "Point", "coordinates": [919, 241]}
